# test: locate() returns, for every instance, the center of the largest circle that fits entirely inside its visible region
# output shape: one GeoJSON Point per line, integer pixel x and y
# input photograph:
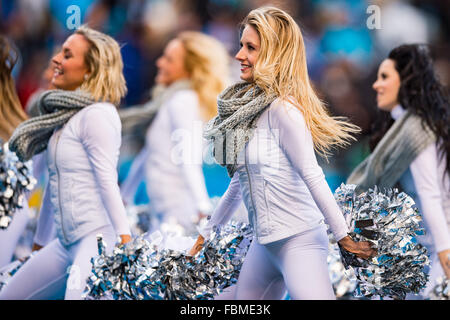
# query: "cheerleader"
{"type": "Point", "coordinates": [265, 134]}
{"type": "Point", "coordinates": [410, 145]}
{"type": "Point", "coordinates": [11, 115]}
{"type": "Point", "coordinates": [81, 132]}
{"type": "Point", "coordinates": [191, 73]}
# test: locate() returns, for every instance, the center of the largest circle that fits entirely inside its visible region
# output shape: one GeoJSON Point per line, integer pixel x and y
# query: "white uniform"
{"type": "Point", "coordinates": [426, 183]}
{"type": "Point", "coordinates": [171, 162]}
{"type": "Point", "coordinates": [287, 197]}
{"type": "Point", "coordinates": [85, 153]}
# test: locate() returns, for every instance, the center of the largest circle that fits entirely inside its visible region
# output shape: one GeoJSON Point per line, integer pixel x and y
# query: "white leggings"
{"type": "Point", "coordinates": [297, 264]}
{"type": "Point", "coordinates": [56, 267]}
{"type": "Point", "coordinates": [10, 237]}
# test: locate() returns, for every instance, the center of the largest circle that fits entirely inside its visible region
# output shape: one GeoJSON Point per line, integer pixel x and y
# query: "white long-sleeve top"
{"type": "Point", "coordinates": [279, 180]}
{"type": "Point", "coordinates": [430, 190]}
{"type": "Point", "coordinates": [83, 193]}
{"type": "Point", "coordinates": [171, 160]}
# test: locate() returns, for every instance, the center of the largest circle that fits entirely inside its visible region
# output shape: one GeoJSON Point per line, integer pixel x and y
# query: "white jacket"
{"type": "Point", "coordinates": [171, 160]}
{"type": "Point", "coordinates": [427, 183]}
{"type": "Point", "coordinates": [279, 180]}
{"type": "Point", "coordinates": [83, 192]}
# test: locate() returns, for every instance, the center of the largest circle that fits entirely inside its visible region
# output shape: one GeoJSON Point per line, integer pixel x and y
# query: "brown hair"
{"type": "Point", "coordinates": [11, 111]}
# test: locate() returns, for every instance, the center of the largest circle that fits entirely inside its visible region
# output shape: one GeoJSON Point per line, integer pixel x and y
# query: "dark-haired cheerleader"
{"type": "Point", "coordinates": [410, 145]}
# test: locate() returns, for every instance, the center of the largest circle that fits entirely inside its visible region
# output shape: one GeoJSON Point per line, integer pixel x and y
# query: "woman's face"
{"type": "Point", "coordinates": [387, 85]}
{"type": "Point", "coordinates": [171, 64]}
{"type": "Point", "coordinates": [69, 64]}
{"type": "Point", "coordinates": [248, 54]}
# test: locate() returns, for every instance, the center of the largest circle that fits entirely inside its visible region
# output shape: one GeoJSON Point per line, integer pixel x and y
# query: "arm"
{"type": "Point", "coordinates": [45, 229]}
{"type": "Point", "coordinates": [226, 207]}
{"type": "Point", "coordinates": [100, 135]}
{"type": "Point", "coordinates": [187, 126]}
{"type": "Point", "coordinates": [426, 180]}
{"type": "Point", "coordinates": [223, 212]}
{"type": "Point", "coordinates": [296, 142]}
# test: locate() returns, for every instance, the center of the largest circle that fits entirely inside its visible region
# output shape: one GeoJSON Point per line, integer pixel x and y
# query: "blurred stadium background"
{"type": "Point", "coordinates": [343, 52]}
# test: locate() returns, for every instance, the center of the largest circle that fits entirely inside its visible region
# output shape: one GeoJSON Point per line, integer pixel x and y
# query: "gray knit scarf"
{"type": "Point", "coordinates": [239, 107]}
{"type": "Point", "coordinates": [56, 108]}
{"type": "Point", "coordinates": [402, 143]}
{"type": "Point", "coordinates": [135, 120]}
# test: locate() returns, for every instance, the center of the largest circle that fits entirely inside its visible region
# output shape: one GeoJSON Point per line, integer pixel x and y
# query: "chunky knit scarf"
{"type": "Point", "coordinates": [239, 107]}
{"type": "Point", "coordinates": [136, 120]}
{"type": "Point", "coordinates": [402, 143]}
{"type": "Point", "coordinates": [56, 108]}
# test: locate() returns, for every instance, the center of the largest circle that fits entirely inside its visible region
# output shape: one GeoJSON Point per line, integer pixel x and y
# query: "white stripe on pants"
{"type": "Point", "coordinates": [56, 266]}
{"type": "Point", "coordinates": [298, 264]}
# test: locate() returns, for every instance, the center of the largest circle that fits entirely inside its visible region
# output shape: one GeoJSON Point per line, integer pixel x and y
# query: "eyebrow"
{"type": "Point", "coordinates": [249, 43]}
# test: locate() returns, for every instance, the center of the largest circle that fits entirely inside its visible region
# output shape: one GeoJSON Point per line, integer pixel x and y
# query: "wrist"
{"type": "Point", "coordinates": [346, 242]}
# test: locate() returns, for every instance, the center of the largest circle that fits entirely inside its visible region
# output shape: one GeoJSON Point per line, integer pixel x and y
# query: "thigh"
{"type": "Point", "coordinates": [259, 278]}
{"type": "Point", "coordinates": [81, 254]}
{"type": "Point", "coordinates": [303, 261]}
{"type": "Point", "coordinates": [41, 277]}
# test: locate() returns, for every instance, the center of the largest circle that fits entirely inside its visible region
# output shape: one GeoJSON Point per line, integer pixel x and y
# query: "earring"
{"type": "Point", "coordinates": [86, 77]}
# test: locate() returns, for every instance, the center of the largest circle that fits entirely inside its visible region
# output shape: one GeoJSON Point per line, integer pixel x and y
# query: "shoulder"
{"type": "Point", "coordinates": [100, 114]}
{"type": "Point", "coordinates": [183, 99]}
{"type": "Point", "coordinates": [283, 110]}
{"type": "Point", "coordinates": [101, 110]}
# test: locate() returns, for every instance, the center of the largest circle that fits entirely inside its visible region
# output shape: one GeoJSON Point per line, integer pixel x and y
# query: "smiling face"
{"type": "Point", "coordinates": [69, 64]}
{"type": "Point", "coordinates": [248, 54]}
{"type": "Point", "coordinates": [171, 64]}
{"type": "Point", "coordinates": [387, 85]}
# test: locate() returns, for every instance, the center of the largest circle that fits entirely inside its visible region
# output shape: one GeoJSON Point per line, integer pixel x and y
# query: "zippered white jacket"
{"type": "Point", "coordinates": [279, 180]}
{"type": "Point", "coordinates": [83, 186]}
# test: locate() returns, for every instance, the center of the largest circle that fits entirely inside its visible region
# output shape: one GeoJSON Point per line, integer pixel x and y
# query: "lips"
{"type": "Point", "coordinates": [57, 72]}
{"type": "Point", "coordinates": [245, 67]}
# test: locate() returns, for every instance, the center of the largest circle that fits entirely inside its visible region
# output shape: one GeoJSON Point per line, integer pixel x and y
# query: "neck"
{"type": "Point", "coordinates": [397, 112]}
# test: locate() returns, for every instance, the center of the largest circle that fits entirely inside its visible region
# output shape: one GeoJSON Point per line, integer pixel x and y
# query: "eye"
{"type": "Point", "coordinates": [250, 47]}
{"type": "Point", "coordinates": [384, 76]}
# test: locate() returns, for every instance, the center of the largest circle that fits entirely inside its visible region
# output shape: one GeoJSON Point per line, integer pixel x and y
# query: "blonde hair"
{"type": "Point", "coordinates": [281, 69]}
{"type": "Point", "coordinates": [206, 60]}
{"type": "Point", "coordinates": [11, 111]}
{"type": "Point", "coordinates": [104, 60]}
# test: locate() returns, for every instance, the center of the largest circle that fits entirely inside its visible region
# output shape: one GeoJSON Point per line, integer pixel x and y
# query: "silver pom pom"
{"type": "Point", "coordinates": [15, 179]}
{"type": "Point", "coordinates": [390, 221]}
{"type": "Point", "coordinates": [141, 270]}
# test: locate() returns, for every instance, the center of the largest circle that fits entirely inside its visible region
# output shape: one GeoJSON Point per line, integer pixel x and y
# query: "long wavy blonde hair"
{"type": "Point", "coordinates": [207, 62]}
{"type": "Point", "coordinates": [281, 69]}
{"type": "Point", "coordinates": [104, 60]}
{"type": "Point", "coordinates": [11, 111]}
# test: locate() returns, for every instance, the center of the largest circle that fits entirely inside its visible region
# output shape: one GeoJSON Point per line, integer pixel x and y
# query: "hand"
{"type": "Point", "coordinates": [124, 238]}
{"type": "Point", "coordinates": [36, 247]}
{"type": "Point", "coordinates": [444, 259]}
{"type": "Point", "coordinates": [198, 245]}
{"type": "Point", "coordinates": [362, 249]}
{"type": "Point", "coordinates": [201, 215]}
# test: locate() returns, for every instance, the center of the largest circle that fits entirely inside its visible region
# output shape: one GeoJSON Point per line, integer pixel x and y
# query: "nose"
{"type": "Point", "coordinates": [240, 56]}
{"type": "Point", "coordinates": [57, 59]}
{"type": "Point", "coordinates": [376, 85]}
{"type": "Point", "coordinates": [159, 62]}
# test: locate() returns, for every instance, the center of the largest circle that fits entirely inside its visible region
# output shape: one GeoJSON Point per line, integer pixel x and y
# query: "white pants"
{"type": "Point", "coordinates": [297, 264]}
{"type": "Point", "coordinates": [10, 236]}
{"type": "Point", "coordinates": [56, 267]}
